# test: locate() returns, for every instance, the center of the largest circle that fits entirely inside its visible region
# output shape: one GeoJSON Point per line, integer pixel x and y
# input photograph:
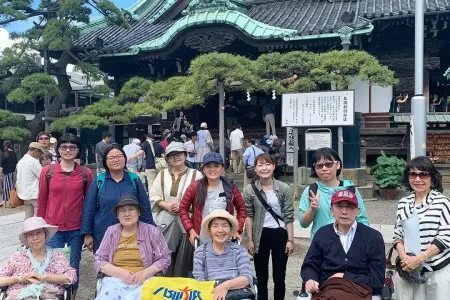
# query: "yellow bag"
{"type": "Point", "coordinates": [177, 288]}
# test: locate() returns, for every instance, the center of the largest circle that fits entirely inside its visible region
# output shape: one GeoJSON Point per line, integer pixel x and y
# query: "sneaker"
{"type": "Point", "coordinates": [3, 204]}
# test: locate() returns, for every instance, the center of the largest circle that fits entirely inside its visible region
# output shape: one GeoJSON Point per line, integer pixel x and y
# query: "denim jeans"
{"type": "Point", "coordinates": [75, 241]}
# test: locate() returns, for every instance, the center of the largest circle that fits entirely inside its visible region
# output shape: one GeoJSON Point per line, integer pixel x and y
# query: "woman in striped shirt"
{"type": "Point", "coordinates": [433, 211]}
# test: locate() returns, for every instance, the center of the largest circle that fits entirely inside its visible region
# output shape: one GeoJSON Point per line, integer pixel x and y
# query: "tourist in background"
{"type": "Point", "coordinates": [130, 150]}
{"type": "Point", "coordinates": [249, 157]}
{"type": "Point", "coordinates": [237, 149]}
{"type": "Point", "coordinates": [208, 194]}
{"type": "Point", "coordinates": [315, 202]}
{"type": "Point", "coordinates": [191, 146]}
{"type": "Point", "coordinates": [46, 159]}
{"type": "Point", "coordinates": [178, 126]}
{"type": "Point", "coordinates": [151, 150]}
{"type": "Point", "coordinates": [100, 149]}
{"type": "Point", "coordinates": [104, 193]}
{"type": "Point", "coordinates": [165, 196]}
{"type": "Point", "coordinates": [28, 173]}
{"type": "Point", "coordinates": [43, 138]}
{"type": "Point", "coordinates": [269, 231]}
{"type": "Point", "coordinates": [8, 164]}
{"type": "Point", "coordinates": [429, 210]}
{"type": "Point", "coordinates": [52, 149]}
{"type": "Point", "coordinates": [205, 143]}
{"type": "Point", "coordinates": [268, 112]}
{"type": "Point", "coordinates": [230, 110]}
{"type": "Point", "coordinates": [62, 188]}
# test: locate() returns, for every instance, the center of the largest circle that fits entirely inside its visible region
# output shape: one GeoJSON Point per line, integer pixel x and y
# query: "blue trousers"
{"type": "Point", "coordinates": [75, 241]}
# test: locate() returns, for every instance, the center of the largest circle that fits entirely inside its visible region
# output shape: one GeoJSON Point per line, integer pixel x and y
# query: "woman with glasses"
{"type": "Point", "coordinates": [165, 195]}
{"type": "Point", "coordinates": [426, 210]}
{"type": "Point", "coordinates": [104, 193]}
{"type": "Point", "coordinates": [62, 187]}
{"type": "Point", "coordinates": [315, 203]}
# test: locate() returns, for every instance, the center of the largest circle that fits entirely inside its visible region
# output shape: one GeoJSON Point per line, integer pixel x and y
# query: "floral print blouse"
{"type": "Point", "coordinates": [19, 264]}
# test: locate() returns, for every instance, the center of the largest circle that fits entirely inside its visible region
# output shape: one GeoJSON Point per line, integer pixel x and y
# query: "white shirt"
{"type": "Point", "coordinates": [191, 146]}
{"type": "Point", "coordinates": [28, 172]}
{"type": "Point", "coordinates": [235, 139]}
{"type": "Point", "coordinates": [346, 238]}
{"type": "Point", "coordinates": [130, 150]}
{"type": "Point", "coordinates": [272, 201]}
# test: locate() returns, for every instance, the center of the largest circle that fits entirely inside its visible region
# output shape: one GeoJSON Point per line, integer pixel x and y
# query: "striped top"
{"type": "Point", "coordinates": [434, 216]}
{"type": "Point", "coordinates": [232, 263]}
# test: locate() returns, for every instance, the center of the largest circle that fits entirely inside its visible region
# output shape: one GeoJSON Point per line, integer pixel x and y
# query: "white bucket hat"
{"type": "Point", "coordinates": [175, 147]}
{"type": "Point", "coordinates": [34, 223]}
{"type": "Point", "coordinates": [204, 125]}
{"type": "Point", "coordinates": [223, 214]}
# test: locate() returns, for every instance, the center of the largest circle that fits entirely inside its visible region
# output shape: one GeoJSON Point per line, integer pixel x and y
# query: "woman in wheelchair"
{"type": "Point", "coordinates": [130, 253]}
{"type": "Point", "coordinates": [221, 260]}
{"type": "Point", "coordinates": [36, 272]}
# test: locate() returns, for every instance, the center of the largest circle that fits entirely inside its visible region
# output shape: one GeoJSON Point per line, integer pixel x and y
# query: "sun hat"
{"type": "Point", "coordinates": [34, 223]}
{"type": "Point", "coordinates": [175, 147]}
{"type": "Point", "coordinates": [183, 136]}
{"type": "Point", "coordinates": [212, 157]}
{"type": "Point", "coordinates": [223, 214]}
{"type": "Point", "coordinates": [137, 141]}
{"type": "Point", "coordinates": [35, 146]}
{"type": "Point", "coordinates": [344, 195]}
{"type": "Point", "coordinates": [204, 125]}
{"type": "Point", "coordinates": [127, 200]}
{"type": "Point", "coordinates": [53, 140]}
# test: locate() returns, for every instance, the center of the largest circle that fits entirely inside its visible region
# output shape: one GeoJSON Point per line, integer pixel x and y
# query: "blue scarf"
{"type": "Point", "coordinates": [34, 290]}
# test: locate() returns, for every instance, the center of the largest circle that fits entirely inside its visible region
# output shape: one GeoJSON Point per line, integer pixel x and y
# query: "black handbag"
{"type": "Point", "coordinates": [238, 294]}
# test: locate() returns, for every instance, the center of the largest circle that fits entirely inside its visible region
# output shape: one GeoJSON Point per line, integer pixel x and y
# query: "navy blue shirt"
{"type": "Point", "coordinates": [96, 220]}
{"type": "Point", "coordinates": [365, 261]}
{"type": "Point", "coordinates": [149, 158]}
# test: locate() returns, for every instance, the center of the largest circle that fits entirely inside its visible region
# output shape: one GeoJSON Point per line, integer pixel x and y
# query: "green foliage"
{"type": "Point", "coordinates": [388, 171]}
{"type": "Point", "coordinates": [135, 88]}
{"type": "Point", "coordinates": [101, 90]}
{"type": "Point", "coordinates": [34, 86]}
{"type": "Point", "coordinates": [8, 118]}
{"type": "Point", "coordinates": [90, 72]}
{"type": "Point", "coordinates": [105, 107]}
{"type": "Point", "coordinates": [79, 120]}
{"type": "Point", "coordinates": [59, 35]}
{"type": "Point", "coordinates": [13, 133]}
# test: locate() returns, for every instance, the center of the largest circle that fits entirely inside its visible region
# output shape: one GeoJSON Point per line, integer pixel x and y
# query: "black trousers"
{"type": "Point", "coordinates": [272, 240]}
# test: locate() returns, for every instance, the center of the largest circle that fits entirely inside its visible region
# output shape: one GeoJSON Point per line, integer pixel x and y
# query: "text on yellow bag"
{"type": "Point", "coordinates": [175, 288]}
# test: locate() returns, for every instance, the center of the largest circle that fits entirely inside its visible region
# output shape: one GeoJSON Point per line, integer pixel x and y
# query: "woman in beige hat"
{"type": "Point", "coordinates": [205, 142]}
{"type": "Point", "coordinates": [37, 271]}
{"type": "Point", "coordinates": [221, 260]}
{"type": "Point", "coordinates": [165, 196]}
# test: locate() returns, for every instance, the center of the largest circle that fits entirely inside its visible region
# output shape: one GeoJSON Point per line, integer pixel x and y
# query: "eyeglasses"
{"type": "Point", "coordinates": [328, 165]}
{"type": "Point", "coordinates": [117, 157]}
{"type": "Point", "coordinates": [71, 148]}
{"type": "Point", "coordinates": [34, 233]}
{"type": "Point", "coordinates": [177, 155]}
{"type": "Point", "coordinates": [422, 175]}
{"type": "Point", "coordinates": [44, 138]}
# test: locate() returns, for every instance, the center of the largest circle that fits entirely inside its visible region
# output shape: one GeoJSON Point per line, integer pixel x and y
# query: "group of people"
{"type": "Point", "coordinates": [184, 223]}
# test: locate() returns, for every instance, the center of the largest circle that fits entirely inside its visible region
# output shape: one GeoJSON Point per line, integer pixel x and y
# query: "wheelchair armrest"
{"type": "Point", "coordinates": [68, 287]}
{"type": "Point", "coordinates": [100, 275]}
{"type": "Point", "coordinates": [3, 288]}
{"type": "Point", "coordinates": [303, 291]}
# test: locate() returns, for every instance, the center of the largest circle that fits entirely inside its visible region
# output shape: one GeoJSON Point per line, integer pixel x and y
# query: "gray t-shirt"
{"type": "Point", "coordinates": [215, 199]}
{"type": "Point", "coordinates": [100, 150]}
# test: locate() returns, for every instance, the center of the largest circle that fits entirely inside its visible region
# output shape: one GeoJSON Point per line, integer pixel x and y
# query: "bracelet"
{"type": "Point", "coordinates": [424, 254]}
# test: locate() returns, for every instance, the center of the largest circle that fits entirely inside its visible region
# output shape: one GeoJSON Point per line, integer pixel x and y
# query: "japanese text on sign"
{"type": "Point", "coordinates": [317, 140]}
{"type": "Point", "coordinates": [290, 146]}
{"type": "Point", "coordinates": [328, 108]}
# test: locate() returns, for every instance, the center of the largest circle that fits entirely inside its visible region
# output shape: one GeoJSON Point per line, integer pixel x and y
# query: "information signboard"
{"type": "Point", "coordinates": [325, 108]}
{"type": "Point", "coordinates": [290, 146]}
{"type": "Point", "coordinates": [317, 140]}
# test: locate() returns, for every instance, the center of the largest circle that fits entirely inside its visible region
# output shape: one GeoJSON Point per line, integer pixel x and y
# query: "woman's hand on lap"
{"type": "Point", "coordinates": [126, 276]}
{"type": "Point", "coordinates": [141, 276]}
{"type": "Point", "coordinates": [221, 291]}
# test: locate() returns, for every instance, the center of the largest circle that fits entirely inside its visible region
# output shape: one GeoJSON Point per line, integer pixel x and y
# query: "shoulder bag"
{"type": "Point", "coordinates": [266, 206]}
{"type": "Point", "coordinates": [238, 294]}
{"type": "Point", "coordinates": [14, 200]}
{"type": "Point", "coordinates": [160, 163]}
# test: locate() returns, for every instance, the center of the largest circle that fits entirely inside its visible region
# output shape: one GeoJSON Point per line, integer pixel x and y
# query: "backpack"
{"type": "Point", "coordinates": [100, 181]}
{"type": "Point", "coordinates": [314, 187]}
{"type": "Point", "coordinates": [83, 174]}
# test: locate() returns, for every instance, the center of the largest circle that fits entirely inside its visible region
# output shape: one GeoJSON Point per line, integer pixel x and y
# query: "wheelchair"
{"type": "Point", "coordinates": [386, 294]}
{"type": "Point", "coordinates": [67, 287]}
{"type": "Point", "coordinates": [255, 280]}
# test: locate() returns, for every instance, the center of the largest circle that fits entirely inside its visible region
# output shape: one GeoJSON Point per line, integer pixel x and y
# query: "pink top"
{"type": "Point", "coordinates": [19, 264]}
{"type": "Point", "coordinates": [151, 243]}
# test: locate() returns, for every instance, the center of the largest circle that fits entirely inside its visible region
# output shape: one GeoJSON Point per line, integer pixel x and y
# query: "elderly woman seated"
{"type": "Point", "coordinates": [221, 260]}
{"type": "Point", "coordinates": [130, 253]}
{"type": "Point", "coordinates": [37, 272]}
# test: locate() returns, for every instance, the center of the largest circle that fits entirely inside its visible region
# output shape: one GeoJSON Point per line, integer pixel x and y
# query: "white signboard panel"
{"type": "Point", "coordinates": [326, 108]}
{"type": "Point", "coordinates": [317, 140]}
{"type": "Point", "coordinates": [290, 146]}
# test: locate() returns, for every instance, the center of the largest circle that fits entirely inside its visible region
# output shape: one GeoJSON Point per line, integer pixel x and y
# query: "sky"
{"type": "Point", "coordinates": [20, 26]}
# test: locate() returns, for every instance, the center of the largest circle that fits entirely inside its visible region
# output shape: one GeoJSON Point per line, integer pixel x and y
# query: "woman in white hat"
{"type": "Point", "coordinates": [205, 142]}
{"type": "Point", "coordinates": [37, 271]}
{"type": "Point", "coordinates": [165, 196]}
{"type": "Point", "coordinates": [221, 260]}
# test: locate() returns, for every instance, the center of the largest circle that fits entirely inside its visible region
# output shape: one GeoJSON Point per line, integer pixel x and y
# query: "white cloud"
{"type": "Point", "coordinates": [5, 41]}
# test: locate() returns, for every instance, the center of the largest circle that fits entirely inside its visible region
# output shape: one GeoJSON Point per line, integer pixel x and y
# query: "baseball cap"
{"type": "Point", "coordinates": [344, 195]}
{"type": "Point", "coordinates": [212, 157]}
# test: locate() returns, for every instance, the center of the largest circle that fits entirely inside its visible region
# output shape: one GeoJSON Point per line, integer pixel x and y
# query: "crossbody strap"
{"type": "Point", "coordinates": [205, 263]}
{"type": "Point", "coordinates": [266, 206]}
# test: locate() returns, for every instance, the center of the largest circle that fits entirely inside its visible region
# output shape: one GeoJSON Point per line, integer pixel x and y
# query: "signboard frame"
{"type": "Point", "coordinates": [318, 131]}
{"type": "Point", "coordinates": [300, 100]}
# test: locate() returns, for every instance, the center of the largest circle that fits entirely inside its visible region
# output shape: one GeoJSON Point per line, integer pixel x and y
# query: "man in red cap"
{"type": "Point", "coordinates": [345, 253]}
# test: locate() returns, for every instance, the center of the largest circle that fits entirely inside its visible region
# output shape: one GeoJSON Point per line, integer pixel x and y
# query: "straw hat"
{"type": "Point", "coordinates": [36, 146]}
{"type": "Point", "coordinates": [34, 223]}
{"type": "Point", "coordinates": [223, 214]}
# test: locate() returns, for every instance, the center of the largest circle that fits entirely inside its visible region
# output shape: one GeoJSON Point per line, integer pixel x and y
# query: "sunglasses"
{"type": "Point", "coordinates": [43, 138]}
{"type": "Point", "coordinates": [328, 165]}
{"type": "Point", "coordinates": [422, 175]}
